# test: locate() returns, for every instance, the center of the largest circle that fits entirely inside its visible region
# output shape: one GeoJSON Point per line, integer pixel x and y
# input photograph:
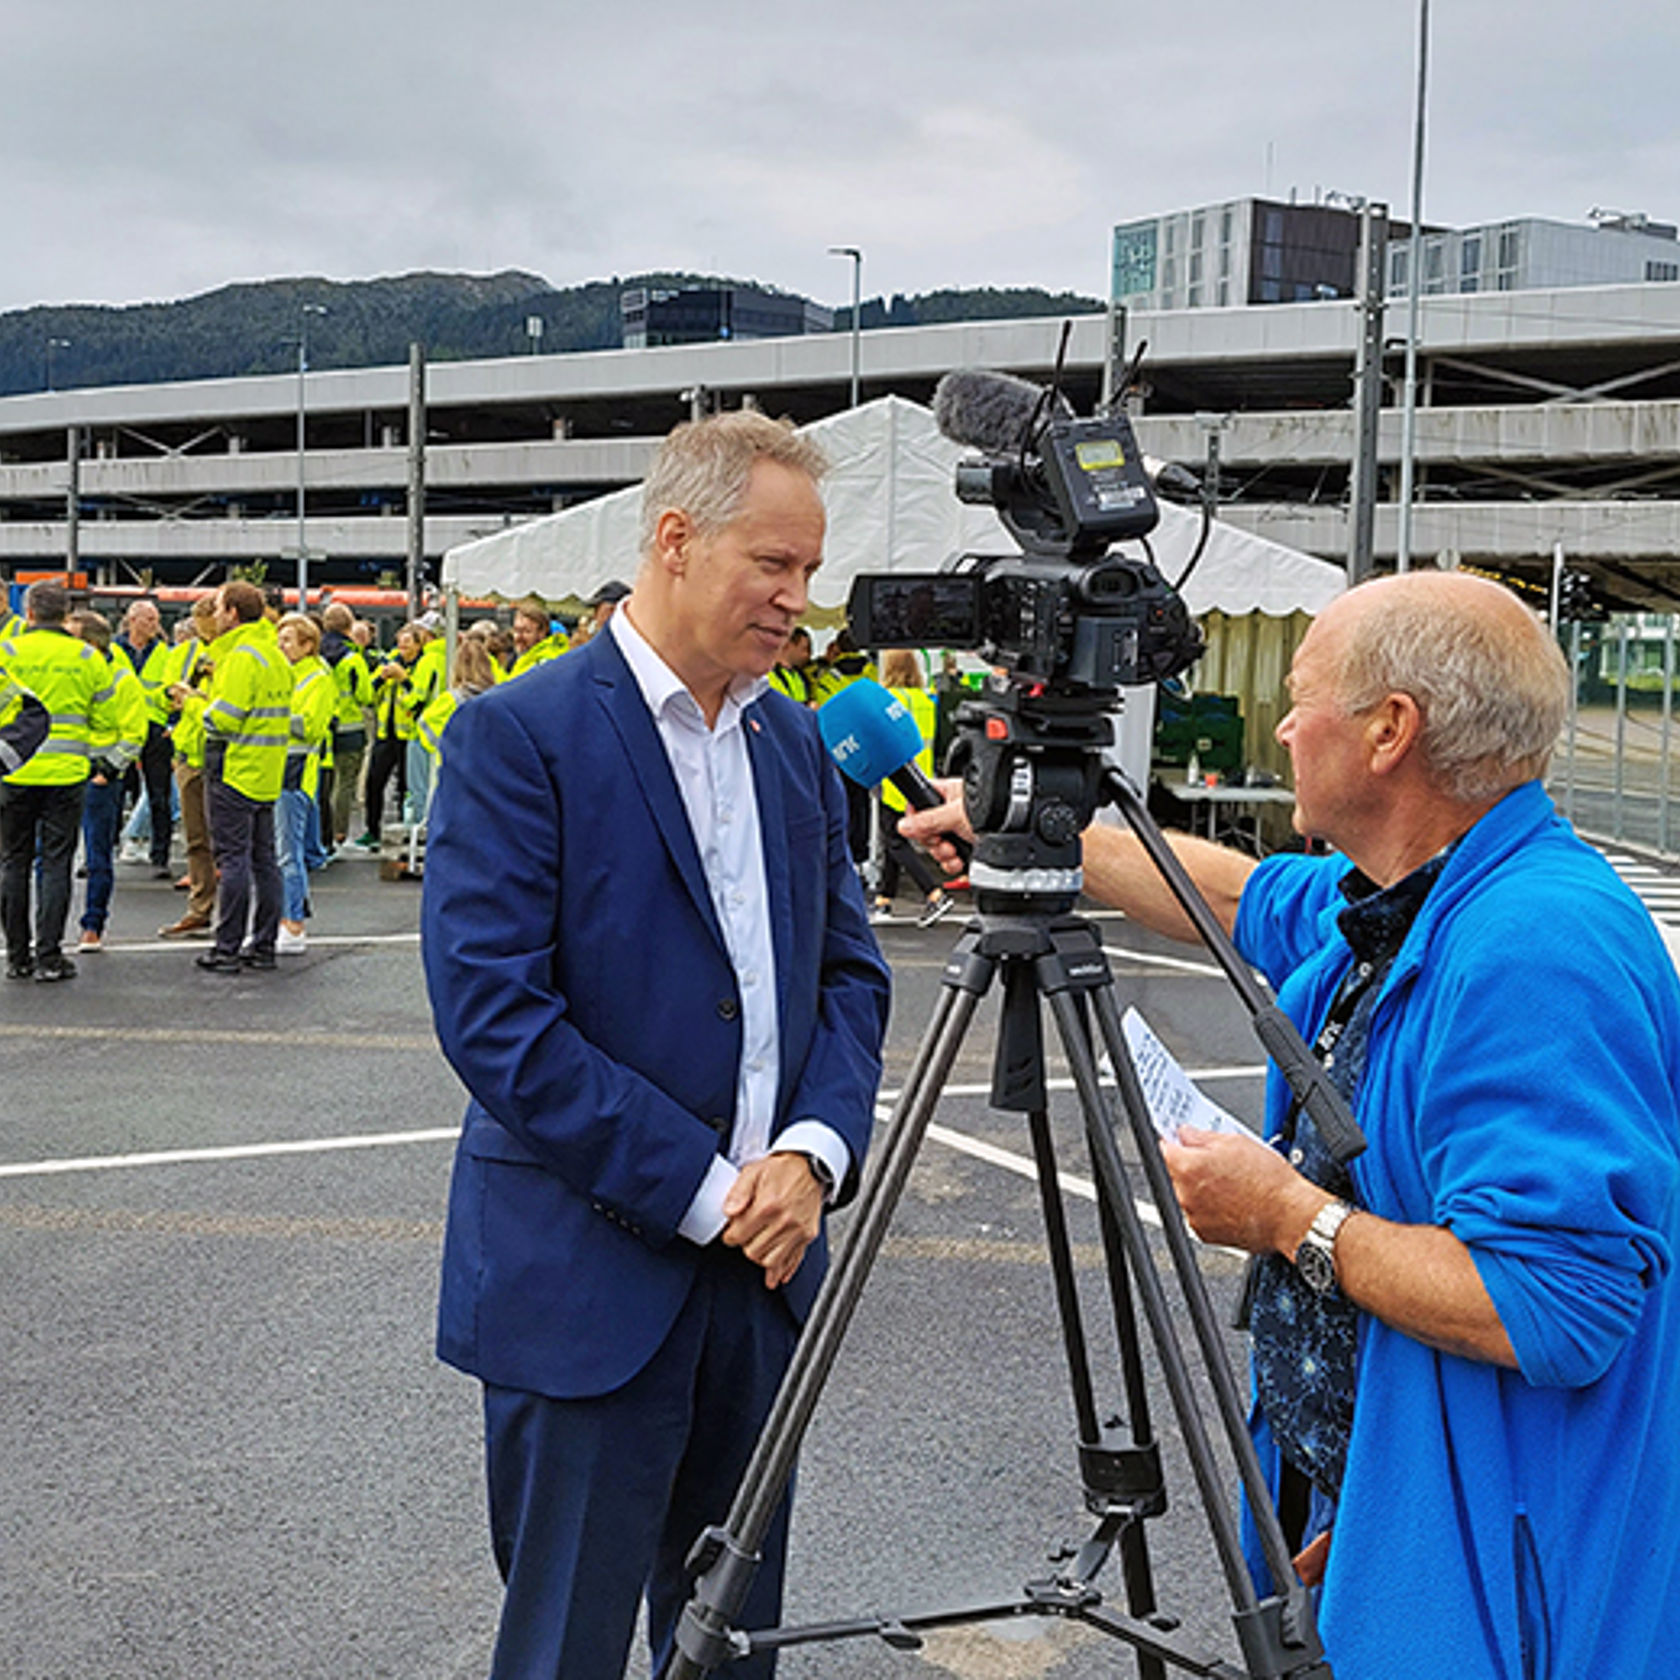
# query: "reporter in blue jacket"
{"type": "Point", "coordinates": [650, 964]}
{"type": "Point", "coordinates": [1466, 1345]}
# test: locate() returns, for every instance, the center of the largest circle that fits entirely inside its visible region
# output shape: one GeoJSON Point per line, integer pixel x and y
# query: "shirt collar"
{"type": "Point", "coordinates": [666, 694]}
{"type": "Point", "coordinates": [1376, 921]}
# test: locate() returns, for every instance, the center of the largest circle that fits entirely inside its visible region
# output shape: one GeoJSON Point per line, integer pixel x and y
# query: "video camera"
{"type": "Point", "coordinates": [1064, 611]}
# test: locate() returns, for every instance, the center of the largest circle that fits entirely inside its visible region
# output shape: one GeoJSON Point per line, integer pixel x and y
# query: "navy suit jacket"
{"type": "Point", "coordinates": [583, 993]}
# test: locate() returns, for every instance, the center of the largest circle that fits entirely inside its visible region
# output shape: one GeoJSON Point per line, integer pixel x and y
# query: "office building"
{"type": "Point", "coordinates": [658, 315]}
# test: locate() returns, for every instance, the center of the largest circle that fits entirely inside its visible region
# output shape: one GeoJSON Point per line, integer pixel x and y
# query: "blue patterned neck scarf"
{"type": "Point", "coordinates": [1305, 1344]}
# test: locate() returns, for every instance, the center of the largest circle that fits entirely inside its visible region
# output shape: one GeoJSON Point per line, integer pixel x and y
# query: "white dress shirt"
{"type": "Point", "coordinates": [714, 776]}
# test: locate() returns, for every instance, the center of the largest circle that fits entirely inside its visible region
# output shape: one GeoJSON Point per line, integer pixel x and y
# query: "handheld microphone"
{"type": "Point", "coordinates": [991, 411]}
{"type": "Point", "coordinates": [874, 739]}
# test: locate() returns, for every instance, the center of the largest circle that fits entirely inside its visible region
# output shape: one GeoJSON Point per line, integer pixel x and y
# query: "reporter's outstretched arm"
{"type": "Point", "coordinates": [1117, 869]}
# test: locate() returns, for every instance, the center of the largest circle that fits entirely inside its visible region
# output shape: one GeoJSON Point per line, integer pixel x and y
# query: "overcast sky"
{"type": "Point", "coordinates": [160, 148]}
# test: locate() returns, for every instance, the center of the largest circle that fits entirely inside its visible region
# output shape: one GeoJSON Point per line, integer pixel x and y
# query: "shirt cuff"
{"type": "Point", "coordinates": [704, 1219]}
{"type": "Point", "coordinates": [812, 1137]}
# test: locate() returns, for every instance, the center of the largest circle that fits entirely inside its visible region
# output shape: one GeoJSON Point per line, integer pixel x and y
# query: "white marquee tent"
{"type": "Point", "coordinates": [890, 508]}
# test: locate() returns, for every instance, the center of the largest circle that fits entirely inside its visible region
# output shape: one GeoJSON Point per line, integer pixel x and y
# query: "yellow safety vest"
{"type": "Point", "coordinates": [247, 717]}
{"type": "Point", "coordinates": [550, 647]}
{"type": "Point", "coordinates": [23, 724]}
{"type": "Point", "coordinates": [313, 697]}
{"type": "Point", "coordinates": [119, 742]}
{"type": "Point", "coordinates": [150, 667]}
{"type": "Point", "coordinates": [920, 705]}
{"type": "Point", "coordinates": [187, 663]}
{"type": "Point", "coordinates": [353, 696]}
{"type": "Point", "coordinates": [73, 681]}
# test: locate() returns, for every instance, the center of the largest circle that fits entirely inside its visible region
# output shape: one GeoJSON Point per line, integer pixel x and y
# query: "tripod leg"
{"type": "Point", "coordinates": [1203, 1319]}
{"type": "Point", "coordinates": [727, 1558]}
{"type": "Point", "coordinates": [1114, 1189]}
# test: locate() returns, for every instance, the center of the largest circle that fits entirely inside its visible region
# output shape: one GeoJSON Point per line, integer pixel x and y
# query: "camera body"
{"type": "Point", "coordinates": [1064, 611]}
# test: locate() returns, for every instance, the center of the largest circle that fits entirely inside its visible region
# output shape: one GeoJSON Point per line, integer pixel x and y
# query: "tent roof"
{"type": "Point", "coordinates": [891, 507]}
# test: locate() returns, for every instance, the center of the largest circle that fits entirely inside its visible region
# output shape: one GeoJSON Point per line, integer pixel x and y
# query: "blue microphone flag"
{"type": "Point", "coordinates": [868, 732]}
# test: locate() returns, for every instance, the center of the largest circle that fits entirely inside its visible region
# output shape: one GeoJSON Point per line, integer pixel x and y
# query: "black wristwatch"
{"type": "Point", "coordinates": [823, 1174]}
{"type": "Point", "coordinates": [1315, 1259]}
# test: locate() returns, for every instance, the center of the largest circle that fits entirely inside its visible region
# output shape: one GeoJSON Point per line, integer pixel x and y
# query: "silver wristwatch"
{"type": "Point", "coordinates": [1315, 1259]}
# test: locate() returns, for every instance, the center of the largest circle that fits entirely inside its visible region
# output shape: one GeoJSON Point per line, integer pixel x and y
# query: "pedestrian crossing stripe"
{"type": "Point", "coordinates": [1657, 889]}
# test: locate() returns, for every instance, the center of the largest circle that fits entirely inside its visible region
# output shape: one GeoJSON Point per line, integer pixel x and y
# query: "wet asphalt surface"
{"type": "Point", "coordinates": [228, 1449]}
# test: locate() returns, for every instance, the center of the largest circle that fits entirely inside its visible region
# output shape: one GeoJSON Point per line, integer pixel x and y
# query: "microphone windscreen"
{"type": "Point", "coordinates": [985, 411]}
{"type": "Point", "coordinates": [991, 411]}
{"type": "Point", "coordinates": [868, 733]}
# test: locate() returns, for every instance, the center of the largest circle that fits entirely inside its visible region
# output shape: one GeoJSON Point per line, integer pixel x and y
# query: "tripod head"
{"type": "Point", "coordinates": [1031, 762]}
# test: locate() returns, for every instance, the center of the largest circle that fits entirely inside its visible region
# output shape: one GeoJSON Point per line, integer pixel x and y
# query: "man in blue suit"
{"type": "Point", "coordinates": [650, 963]}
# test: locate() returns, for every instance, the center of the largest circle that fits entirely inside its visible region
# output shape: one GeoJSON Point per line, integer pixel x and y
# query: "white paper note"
{"type": "Point", "coordinates": [1172, 1096]}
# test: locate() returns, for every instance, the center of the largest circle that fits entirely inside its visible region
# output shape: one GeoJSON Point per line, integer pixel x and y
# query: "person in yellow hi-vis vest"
{"type": "Point", "coordinates": [247, 728]}
{"type": "Point", "coordinates": [474, 675]}
{"type": "Point", "coordinates": [901, 673]}
{"type": "Point", "coordinates": [110, 752]}
{"type": "Point", "coordinates": [313, 703]}
{"type": "Point", "coordinates": [189, 673]}
{"type": "Point", "coordinates": [393, 728]}
{"type": "Point", "coordinates": [41, 800]}
{"type": "Point", "coordinates": [535, 639]}
{"type": "Point", "coordinates": [24, 723]}
{"type": "Point", "coordinates": [353, 702]}
{"type": "Point", "coordinates": [143, 645]}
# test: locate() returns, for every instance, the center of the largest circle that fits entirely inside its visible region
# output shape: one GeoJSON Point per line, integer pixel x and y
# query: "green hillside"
{"type": "Point", "coordinates": [253, 328]}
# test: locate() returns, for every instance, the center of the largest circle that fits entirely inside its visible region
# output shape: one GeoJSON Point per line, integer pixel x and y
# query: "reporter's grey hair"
{"type": "Point", "coordinates": [1492, 686]}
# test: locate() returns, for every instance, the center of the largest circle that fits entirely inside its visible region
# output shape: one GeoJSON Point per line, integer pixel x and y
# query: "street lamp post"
{"type": "Point", "coordinates": [302, 411]}
{"type": "Point", "coordinates": [1414, 295]}
{"type": "Point", "coordinates": [52, 345]}
{"type": "Point", "coordinates": [857, 306]}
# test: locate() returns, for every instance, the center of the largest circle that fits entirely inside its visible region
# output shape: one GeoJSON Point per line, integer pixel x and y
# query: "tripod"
{"type": "Point", "coordinates": [1047, 955]}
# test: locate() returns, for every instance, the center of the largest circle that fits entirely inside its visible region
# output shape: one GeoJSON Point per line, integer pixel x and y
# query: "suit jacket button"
{"type": "Point", "coordinates": [718, 1124]}
{"type": "Point", "coordinates": [728, 1009]}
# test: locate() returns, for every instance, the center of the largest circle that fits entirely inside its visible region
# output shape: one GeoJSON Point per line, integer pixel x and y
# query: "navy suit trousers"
{"type": "Point", "coordinates": [593, 1501]}
{"type": "Point", "coordinates": [242, 834]}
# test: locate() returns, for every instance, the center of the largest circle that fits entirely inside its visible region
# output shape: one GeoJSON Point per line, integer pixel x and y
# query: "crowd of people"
{"type": "Point", "coordinates": [253, 732]}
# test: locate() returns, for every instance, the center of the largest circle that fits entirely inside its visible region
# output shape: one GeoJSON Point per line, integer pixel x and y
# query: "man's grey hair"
{"type": "Point", "coordinates": [1493, 687]}
{"type": "Point", "coordinates": [703, 466]}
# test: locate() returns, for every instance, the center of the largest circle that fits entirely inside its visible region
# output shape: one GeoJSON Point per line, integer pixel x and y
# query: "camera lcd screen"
{"type": "Point", "coordinates": [925, 609]}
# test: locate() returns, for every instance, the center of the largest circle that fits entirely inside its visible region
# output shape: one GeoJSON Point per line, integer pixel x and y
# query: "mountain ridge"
{"type": "Point", "coordinates": [252, 327]}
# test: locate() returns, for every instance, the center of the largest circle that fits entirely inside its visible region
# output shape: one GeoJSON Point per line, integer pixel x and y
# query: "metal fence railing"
{"type": "Point", "coordinates": [1611, 774]}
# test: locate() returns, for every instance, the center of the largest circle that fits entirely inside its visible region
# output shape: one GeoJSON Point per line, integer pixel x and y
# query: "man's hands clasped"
{"type": "Point", "coordinates": [773, 1212]}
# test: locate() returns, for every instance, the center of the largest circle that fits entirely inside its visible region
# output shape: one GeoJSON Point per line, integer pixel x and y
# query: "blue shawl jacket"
{"type": "Point", "coordinates": [1521, 1091]}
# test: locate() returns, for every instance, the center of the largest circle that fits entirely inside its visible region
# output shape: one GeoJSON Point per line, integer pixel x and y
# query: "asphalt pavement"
{"type": "Point", "coordinates": [229, 1450]}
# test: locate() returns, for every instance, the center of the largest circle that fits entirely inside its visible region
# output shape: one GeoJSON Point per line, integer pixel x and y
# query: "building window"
{"type": "Point", "coordinates": [1134, 260]}
{"type": "Point", "coordinates": [1662, 271]}
{"type": "Point", "coordinates": [1399, 268]}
